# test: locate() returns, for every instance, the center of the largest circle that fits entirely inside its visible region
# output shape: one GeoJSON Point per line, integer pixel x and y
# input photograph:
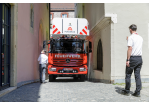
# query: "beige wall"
{"type": "Point", "coordinates": [113, 37]}
{"type": "Point", "coordinates": [13, 54]}
{"type": "Point", "coordinates": [91, 12]}
{"type": "Point", "coordinates": [105, 36]}
{"type": "Point", "coordinates": [128, 14]}
{"type": "Point", "coordinates": [30, 43]}
{"type": "Point", "coordinates": [26, 44]}
{"type": "Point", "coordinates": [95, 14]}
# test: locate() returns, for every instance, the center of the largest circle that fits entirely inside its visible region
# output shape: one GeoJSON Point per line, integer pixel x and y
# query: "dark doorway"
{"type": "Point", "coordinates": [4, 46]}
{"type": "Point", "coordinates": [99, 56]}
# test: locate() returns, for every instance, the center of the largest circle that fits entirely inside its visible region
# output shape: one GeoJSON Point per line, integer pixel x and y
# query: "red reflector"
{"type": "Point", "coordinates": [86, 27]}
{"type": "Point", "coordinates": [59, 32]}
{"type": "Point", "coordinates": [55, 30]}
{"type": "Point", "coordinates": [81, 33]}
{"type": "Point", "coordinates": [53, 26]}
{"type": "Point", "coordinates": [84, 31]}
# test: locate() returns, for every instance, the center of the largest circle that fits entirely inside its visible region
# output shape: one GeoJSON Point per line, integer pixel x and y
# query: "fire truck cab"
{"type": "Point", "coordinates": [67, 52]}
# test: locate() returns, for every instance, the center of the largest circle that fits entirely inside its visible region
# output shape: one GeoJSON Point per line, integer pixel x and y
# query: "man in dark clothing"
{"type": "Point", "coordinates": [134, 61]}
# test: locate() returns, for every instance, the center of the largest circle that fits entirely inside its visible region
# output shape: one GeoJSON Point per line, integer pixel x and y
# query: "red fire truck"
{"type": "Point", "coordinates": [67, 50]}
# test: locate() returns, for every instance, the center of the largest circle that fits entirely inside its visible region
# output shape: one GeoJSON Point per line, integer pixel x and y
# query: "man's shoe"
{"type": "Point", "coordinates": [125, 93]}
{"type": "Point", "coordinates": [136, 94]}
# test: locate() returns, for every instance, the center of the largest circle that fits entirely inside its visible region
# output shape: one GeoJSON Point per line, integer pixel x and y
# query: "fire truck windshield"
{"type": "Point", "coordinates": [67, 46]}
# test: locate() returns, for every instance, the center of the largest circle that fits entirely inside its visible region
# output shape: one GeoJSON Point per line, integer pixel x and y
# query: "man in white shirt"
{"type": "Point", "coordinates": [134, 61]}
{"type": "Point", "coordinates": [43, 60]}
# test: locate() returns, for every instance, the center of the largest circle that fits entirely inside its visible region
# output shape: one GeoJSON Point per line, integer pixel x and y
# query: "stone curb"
{"type": "Point", "coordinates": [8, 90]}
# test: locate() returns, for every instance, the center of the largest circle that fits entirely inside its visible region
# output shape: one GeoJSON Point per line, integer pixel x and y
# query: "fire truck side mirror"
{"type": "Point", "coordinates": [90, 47]}
{"type": "Point", "coordinates": [44, 44]}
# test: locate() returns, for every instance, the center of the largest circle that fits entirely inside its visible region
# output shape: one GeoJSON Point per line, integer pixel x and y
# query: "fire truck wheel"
{"type": "Point", "coordinates": [51, 78]}
{"type": "Point", "coordinates": [82, 78]}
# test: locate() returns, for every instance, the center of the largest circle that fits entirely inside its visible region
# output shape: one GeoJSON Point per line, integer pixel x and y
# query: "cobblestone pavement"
{"type": "Point", "coordinates": [68, 90]}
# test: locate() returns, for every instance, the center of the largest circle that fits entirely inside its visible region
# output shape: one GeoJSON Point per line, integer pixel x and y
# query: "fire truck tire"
{"type": "Point", "coordinates": [82, 78]}
{"type": "Point", "coordinates": [51, 78]}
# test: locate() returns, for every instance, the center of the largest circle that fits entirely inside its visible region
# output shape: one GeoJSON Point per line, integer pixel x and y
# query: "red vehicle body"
{"type": "Point", "coordinates": [68, 62]}
{"type": "Point", "coordinates": [67, 54]}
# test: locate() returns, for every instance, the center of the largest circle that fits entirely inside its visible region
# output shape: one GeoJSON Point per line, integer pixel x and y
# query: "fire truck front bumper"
{"type": "Point", "coordinates": [67, 70]}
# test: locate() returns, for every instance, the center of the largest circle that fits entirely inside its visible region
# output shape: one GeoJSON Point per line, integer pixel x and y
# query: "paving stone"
{"type": "Point", "coordinates": [65, 90]}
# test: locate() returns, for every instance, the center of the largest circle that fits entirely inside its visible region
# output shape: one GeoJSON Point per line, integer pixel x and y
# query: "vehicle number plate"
{"type": "Point", "coordinates": [68, 68]}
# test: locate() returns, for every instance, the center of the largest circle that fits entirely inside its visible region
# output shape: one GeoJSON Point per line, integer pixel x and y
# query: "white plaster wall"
{"type": "Point", "coordinates": [128, 14]}
{"type": "Point", "coordinates": [93, 13]}
{"type": "Point", "coordinates": [105, 36]}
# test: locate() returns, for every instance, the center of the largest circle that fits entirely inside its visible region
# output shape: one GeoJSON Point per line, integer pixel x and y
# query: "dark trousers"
{"type": "Point", "coordinates": [135, 64]}
{"type": "Point", "coordinates": [42, 71]}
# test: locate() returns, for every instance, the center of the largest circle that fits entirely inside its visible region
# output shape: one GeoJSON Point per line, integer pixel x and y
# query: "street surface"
{"type": "Point", "coordinates": [69, 90]}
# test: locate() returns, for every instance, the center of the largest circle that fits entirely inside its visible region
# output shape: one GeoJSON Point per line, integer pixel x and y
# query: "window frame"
{"type": "Point", "coordinates": [52, 16]}
{"type": "Point", "coordinates": [64, 13]}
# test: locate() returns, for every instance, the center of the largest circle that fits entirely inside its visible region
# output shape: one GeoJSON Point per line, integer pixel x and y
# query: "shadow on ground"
{"type": "Point", "coordinates": [26, 93]}
{"type": "Point", "coordinates": [119, 90]}
{"type": "Point", "coordinates": [67, 79]}
{"type": "Point", "coordinates": [30, 92]}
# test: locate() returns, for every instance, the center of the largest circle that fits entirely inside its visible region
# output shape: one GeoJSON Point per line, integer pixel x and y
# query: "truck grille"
{"type": "Point", "coordinates": [62, 62]}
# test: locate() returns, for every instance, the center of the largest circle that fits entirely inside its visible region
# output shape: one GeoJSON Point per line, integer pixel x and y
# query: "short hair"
{"type": "Point", "coordinates": [43, 51]}
{"type": "Point", "coordinates": [133, 27]}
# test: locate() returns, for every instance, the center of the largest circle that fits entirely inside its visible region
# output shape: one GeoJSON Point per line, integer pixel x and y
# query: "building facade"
{"type": "Point", "coordinates": [23, 27]}
{"type": "Point", "coordinates": [108, 25]}
{"type": "Point", "coordinates": [61, 10]}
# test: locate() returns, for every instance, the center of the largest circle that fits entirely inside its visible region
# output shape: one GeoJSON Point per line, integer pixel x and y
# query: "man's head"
{"type": "Point", "coordinates": [132, 28]}
{"type": "Point", "coordinates": [43, 52]}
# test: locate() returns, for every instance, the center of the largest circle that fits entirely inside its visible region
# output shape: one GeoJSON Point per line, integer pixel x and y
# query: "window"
{"type": "Point", "coordinates": [67, 46]}
{"type": "Point", "coordinates": [64, 15]}
{"type": "Point", "coordinates": [99, 56]}
{"type": "Point", "coordinates": [31, 16]}
{"type": "Point", "coordinates": [4, 45]}
{"type": "Point", "coordinates": [50, 16]}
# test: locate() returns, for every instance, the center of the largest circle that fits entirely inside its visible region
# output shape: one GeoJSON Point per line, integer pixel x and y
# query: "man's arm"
{"type": "Point", "coordinates": [128, 55]}
{"type": "Point", "coordinates": [129, 52]}
{"type": "Point", "coordinates": [39, 58]}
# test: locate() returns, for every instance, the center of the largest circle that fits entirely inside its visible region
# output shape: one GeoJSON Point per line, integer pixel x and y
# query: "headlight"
{"type": "Point", "coordinates": [52, 69]}
{"type": "Point", "coordinates": [82, 69]}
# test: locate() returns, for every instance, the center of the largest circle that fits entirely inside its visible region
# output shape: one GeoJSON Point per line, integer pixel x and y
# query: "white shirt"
{"type": "Point", "coordinates": [43, 59]}
{"type": "Point", "coordinates": [135, 41]}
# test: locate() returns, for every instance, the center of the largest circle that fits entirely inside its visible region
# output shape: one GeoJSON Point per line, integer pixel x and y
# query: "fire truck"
{"type": "Point", "coordinates": [67, 50]}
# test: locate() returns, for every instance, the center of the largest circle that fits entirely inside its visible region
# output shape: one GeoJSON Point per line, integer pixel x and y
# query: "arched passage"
{"type": "Point", "coordinates": [99, 56]}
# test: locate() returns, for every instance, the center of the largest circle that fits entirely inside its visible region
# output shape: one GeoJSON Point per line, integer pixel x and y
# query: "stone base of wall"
{"type": "Point", "coordinates": [143, 80]}
{"type": "Point", "coordinates": [132, 80]}
{"type": "Point", "coordinates": [99, 80]}
{"type": "Point", "coordinates": [8, 90]}
{"type": "Point", "coordinates": [26, 82]}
